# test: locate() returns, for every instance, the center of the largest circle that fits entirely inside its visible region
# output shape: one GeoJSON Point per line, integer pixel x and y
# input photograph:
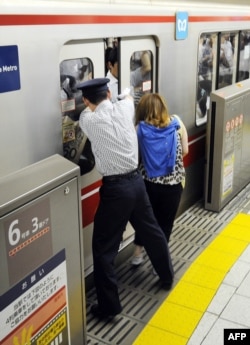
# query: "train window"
{"type": "Point", "coordinates": [206, 75]}
{"type": "Point", "coordinates": [244, 55]}
{"type": "Point", "coordinates": [217, 67]}
{"type": "Point", "coordinates": [75, 143]}
{"type": "Point", "coordinates": [73, 72]}
{"type": "Point", "coordinates": [141, 73]}
{"type": "Point", "coordinates": [227, 59]}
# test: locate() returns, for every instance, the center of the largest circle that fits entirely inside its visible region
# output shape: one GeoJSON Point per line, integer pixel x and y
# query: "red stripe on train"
{"type": "Point", "coordinates": [90, 200]}
{"type": "Point", "coordinates": [59, 19]}
{"type": "Point", "coordinates": [197, 144]}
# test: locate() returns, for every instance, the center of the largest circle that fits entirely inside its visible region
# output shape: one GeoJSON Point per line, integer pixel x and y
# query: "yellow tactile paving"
{"type": "Point", "coordinates": [156, 336]}
{"type": "Point", "coordinates": [203, 275]}
{"type": "Point", "coordinates": [175, 319]}
{"type": "Point", "coordinates": [195, 297]}
{"type": "Point", "coordinates": [178, 316]}
{"type": "Point", "coordinates": [228, 244]}
{"type": "Point", "coordinates": [215, 259]}
{"type": "Point", "coordinates": [242, 219]}
{"type": "Point", "coordinates": [237, 231]}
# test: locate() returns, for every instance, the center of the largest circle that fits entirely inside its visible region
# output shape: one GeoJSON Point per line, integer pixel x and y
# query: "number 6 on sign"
{"type": "Point", "coordinates": [14, 233]}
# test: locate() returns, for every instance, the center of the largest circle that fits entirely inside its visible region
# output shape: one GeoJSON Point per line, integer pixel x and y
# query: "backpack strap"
{"type": "Point", "coordinates": [180, 130]}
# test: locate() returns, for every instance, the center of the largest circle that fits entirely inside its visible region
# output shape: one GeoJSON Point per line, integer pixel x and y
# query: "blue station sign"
{"type": "Point", "coordinates": [9, 69]}
{"type": "Point", "coordinates": [181, 26]}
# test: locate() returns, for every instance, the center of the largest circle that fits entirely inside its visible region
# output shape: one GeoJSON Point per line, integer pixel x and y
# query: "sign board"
{"type": "Point", "coordinates": [36, 309]}
{"type": "Point", "coordinates": [9, 69]}
{"type": "Point", "coordinates": [181, 26]}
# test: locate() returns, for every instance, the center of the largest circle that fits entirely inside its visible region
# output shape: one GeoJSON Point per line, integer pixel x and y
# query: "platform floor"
{"type": "Point", "coordinates": [211, 257]}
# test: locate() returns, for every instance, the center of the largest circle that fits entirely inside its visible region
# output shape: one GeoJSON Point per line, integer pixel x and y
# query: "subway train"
{"type": "Point", "coordinates": [48, 47]}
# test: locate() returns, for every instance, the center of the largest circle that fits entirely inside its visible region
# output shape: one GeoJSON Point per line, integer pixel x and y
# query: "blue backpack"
{"type": "Point", "coordinates": [158, 147]}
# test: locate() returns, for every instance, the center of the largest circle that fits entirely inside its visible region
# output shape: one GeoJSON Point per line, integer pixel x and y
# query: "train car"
{"type": "Point", "coordinates": [47, 47]}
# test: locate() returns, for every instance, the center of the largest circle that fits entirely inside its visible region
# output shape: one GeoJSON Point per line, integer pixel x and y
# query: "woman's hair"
{"type": "Point", "coordinates": [152, 108]}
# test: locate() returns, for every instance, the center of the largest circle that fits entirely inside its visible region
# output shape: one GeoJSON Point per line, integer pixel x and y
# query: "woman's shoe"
{"type": "Point", "coordinates": [137, 260]}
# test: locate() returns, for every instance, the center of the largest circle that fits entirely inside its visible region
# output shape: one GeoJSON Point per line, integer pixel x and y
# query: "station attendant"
{"type": "Point", "coordinates": [110, 129]}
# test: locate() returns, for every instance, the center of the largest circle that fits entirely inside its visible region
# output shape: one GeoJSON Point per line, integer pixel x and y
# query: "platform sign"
{"type": "Point", "coordinates": [35, 311]}
{"type": "Point", "coordinates": [28, 235]}
{"type": "Point", "coordinates": [9, 69]}
{"type": "Point", "coordinates": [181, 26]}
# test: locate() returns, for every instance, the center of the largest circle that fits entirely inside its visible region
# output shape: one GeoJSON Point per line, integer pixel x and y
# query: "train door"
{"type": "Point", "coordinates": [83, 60]}
{"type": "Point", "coordinates": [137, 71]}
{"type": "Point", "coordinates": [80, 61]}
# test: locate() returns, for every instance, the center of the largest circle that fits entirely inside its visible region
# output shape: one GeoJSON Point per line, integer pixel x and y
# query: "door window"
{"type": "Point", "coordinates": [227, 59]}
{"type": "Point", "coordinates": [141, 74]}
{"type": "Point", "coordinates": [206, 75]}
{"type": "Point", "coordinates": [244, 55]}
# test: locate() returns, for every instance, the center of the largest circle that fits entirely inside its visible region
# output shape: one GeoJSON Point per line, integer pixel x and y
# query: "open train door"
{"type": "Point", "coordinates": [138, 56]}
{"type": "Point", "coordinates": [80, 62]}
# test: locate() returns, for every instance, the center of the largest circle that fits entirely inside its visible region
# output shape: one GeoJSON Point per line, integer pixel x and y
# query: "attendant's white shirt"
{"type": "Point", "coordinates": [113, 137]}
{"type": "Point", "coordinates": [113, 86]}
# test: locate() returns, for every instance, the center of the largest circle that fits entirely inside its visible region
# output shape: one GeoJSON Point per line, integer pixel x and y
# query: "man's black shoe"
{"type": "Point", "coordinates": [97, 312]}
{"type": "Point", "coordinates": [166, 285]}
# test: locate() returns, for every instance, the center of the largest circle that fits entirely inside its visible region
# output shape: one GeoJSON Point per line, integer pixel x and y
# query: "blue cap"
{"type": "Point", "coordinates": [93, 86]}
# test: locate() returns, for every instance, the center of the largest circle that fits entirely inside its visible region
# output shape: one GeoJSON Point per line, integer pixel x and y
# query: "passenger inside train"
{"type": "Point", "coordinates": [112, 74]}
{"type": "Point", "coordinates": [140, 76]}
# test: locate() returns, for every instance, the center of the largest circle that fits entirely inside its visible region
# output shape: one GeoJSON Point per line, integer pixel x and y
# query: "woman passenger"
{"type": "Point", "coordinates": [163, 142]}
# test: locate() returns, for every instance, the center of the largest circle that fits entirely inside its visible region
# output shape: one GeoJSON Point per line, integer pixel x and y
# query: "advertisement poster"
{"type": "Point", "coordinates": [35, 311]}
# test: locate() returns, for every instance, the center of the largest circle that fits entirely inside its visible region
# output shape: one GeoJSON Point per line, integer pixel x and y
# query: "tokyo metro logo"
{"type": "Point", "coordinates": [181, 25]}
